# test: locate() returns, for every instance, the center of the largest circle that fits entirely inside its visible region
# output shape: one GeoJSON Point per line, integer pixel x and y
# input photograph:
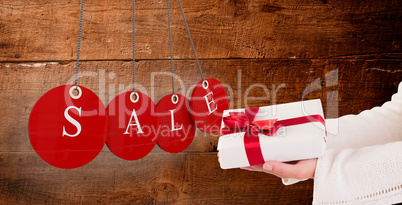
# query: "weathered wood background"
{"type": "Point", "coordinates": [348, 52]}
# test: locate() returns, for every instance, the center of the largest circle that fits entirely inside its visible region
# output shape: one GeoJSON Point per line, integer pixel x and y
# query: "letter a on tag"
{"type": "Point", "coordinates": [67, 130]}
{"type": "Point", "coordinates": [132, 125]}
{"type": "Point", "coordinates": [137, 123]}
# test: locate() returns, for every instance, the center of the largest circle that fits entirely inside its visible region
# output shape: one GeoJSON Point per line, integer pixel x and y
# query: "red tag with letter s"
{"type": "Point", "coordinates": [67, 130]}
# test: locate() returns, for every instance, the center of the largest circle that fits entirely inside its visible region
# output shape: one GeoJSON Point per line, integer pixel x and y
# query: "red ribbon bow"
{"type": "Point", "coordinates": [244, 122]}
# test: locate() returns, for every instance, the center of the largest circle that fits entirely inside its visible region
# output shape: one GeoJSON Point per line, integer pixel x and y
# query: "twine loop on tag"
{"type": "Point", "coordinates": [205, 84]}
{"type": "Point", "coordinates": [78, 93]}
{"type": "Point", "coordinates": [175, 99]}
{"type": "Point", "coordinates": [134, 97]}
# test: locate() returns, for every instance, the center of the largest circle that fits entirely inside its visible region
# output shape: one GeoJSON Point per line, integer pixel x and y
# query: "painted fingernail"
{"type": "Point", "coordinates": [267, 167]}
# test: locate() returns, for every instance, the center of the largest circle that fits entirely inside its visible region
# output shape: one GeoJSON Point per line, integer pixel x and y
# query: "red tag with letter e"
{"type": "Point", "coordinates": [132, 125]}
{"type": "Point", "coordinates": [68, 129]}
{"type": "Point", "coordinates": [208, 101]}
{"type": "Point", "coordinates": [176, 128]}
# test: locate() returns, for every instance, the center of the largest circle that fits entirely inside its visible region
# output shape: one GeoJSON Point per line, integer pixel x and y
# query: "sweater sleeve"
{"type": "Point", "coordinates": [363, 160]}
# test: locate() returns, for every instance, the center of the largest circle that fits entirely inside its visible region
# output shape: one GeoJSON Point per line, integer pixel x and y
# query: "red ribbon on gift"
{"type": "Point", "coordinates": [244, 122]}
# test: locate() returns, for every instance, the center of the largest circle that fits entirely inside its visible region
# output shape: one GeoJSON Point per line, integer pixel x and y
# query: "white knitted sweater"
{"type": "Point", "coordinates": [363, 160]}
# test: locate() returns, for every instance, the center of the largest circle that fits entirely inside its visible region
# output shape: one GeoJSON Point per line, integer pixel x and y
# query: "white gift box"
{"type": "Point", "coordinates": [288, 143]}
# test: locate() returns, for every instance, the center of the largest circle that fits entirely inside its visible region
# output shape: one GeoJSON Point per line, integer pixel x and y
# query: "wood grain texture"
{"type": "Point", "coordinates": [156, 179]}
{"type": "Point", "coordinates": [44, 30]}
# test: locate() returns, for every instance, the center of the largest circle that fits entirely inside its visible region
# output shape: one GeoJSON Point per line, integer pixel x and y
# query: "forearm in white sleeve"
{"type": "Point", "coordinates": [377, 126]}
{"type": "Point", "coordinates": [363, 161]}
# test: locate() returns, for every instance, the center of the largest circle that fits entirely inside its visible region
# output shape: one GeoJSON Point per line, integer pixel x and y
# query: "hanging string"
{"type": "Point", "coordinates": [133, 44]}
{"type": "Point", "coordinates": [170, 44]}
{"type": "Point", "coordinates": [79, 44]}
{"type": "Point", "coordinates": [191, 40]}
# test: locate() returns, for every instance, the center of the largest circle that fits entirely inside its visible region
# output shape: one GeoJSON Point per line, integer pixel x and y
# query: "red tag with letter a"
{"type": "Point", "coordinates": [132, 125]}
{"type": "Point", "coordinates": [208, 101]}
{"type": "Point", "coordinates": [68, 130]}
{"type": "Point", "coordinates": [176, 128]}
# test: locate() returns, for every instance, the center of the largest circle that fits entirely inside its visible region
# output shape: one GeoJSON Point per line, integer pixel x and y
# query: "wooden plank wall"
{"type": "Point", "coordinates": [347, 53]}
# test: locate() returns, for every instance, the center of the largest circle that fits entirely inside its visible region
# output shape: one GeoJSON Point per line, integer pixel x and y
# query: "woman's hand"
{"type": "Point", "coordinates": [303, 169]}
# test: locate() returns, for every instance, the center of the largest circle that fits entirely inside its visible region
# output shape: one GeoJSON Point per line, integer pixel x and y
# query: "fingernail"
{"type": "Point", "coordinates": [267, 167]}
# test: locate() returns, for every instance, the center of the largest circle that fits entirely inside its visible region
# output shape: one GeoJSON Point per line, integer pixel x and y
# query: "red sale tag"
{"type": "Point", "coordinates": [176, 128]}
{"type": "Point", "coordinates": [132, 125]}
{"type": "Point", "coordinates": [68, 130]}
{"type": "Point", "coordinates": [208, 101]}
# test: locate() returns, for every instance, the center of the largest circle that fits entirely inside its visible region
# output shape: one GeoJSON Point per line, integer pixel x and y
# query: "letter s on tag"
{"type": "Point", "coordinates": [73, 121]}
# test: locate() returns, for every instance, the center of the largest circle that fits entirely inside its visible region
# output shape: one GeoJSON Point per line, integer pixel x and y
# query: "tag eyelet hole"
{"type": "Point", "coordinates": [175, 99]}
{"type": "Point", "coordinates": [205, 84]}
{"type": "Point", "coordinates": [75, 92]}
{"type": "Point", "coordinates": [134, 97]}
